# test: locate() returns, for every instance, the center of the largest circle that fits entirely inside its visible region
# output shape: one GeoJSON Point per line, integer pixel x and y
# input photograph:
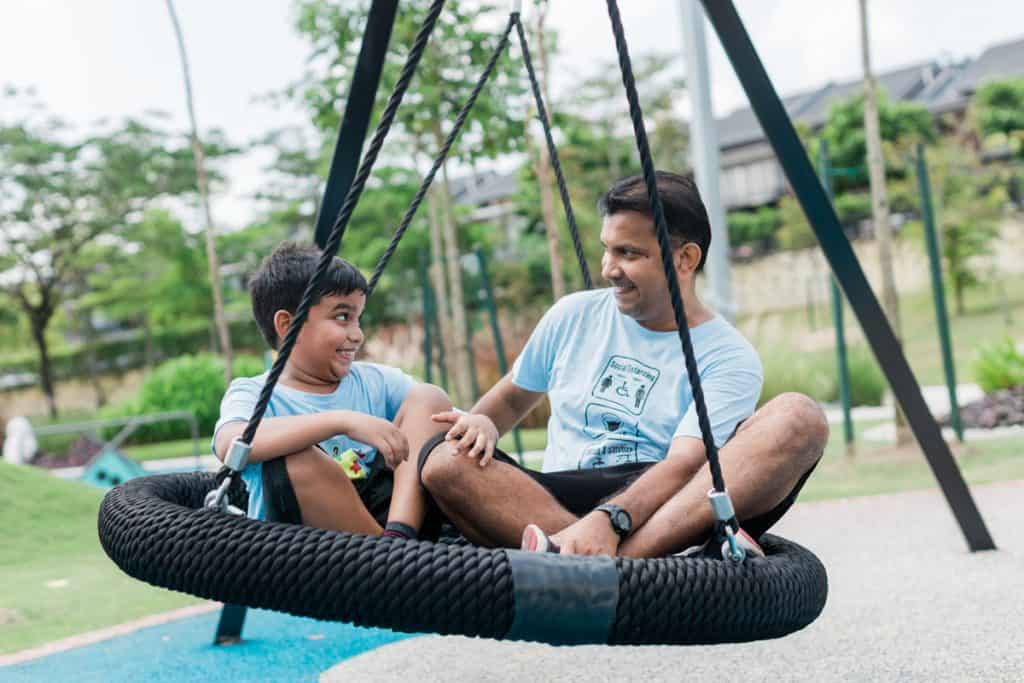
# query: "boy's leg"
{"type": "Point", "coordinates": [326, 496]}
{"type": "Point", "coordinates": [408, 500]}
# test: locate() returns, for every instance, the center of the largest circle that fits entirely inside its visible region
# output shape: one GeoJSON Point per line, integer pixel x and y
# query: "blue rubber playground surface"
{"type": "Point", "coordinates": [277, 647]}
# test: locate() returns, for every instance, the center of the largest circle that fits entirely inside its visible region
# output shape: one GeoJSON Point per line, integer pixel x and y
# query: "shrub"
{"type": "Point", "coordinates": [192, 383]}
{"type": "Point", "coordinates": [817, 376]}
{"type": "Point", "coordinates": [999, 366]}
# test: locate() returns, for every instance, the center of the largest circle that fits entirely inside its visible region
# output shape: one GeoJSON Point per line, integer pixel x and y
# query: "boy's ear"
{"type": "Point", "coordinates": [282, 321]}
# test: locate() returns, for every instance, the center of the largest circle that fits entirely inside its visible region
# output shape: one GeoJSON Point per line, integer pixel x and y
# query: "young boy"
{"type": "Point", "coordinates": [343, 429]}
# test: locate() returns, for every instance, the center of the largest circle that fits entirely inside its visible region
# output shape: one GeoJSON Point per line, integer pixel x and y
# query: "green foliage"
{"type": "Point", "coordinates": [817, 375]}
{"type": "Point", "coordinates": [853, 207]}
{"type": "Point", "coordinates": [192, 383]}
{"type": "Point", "coordinates": [999, 366]}
{"type": "Point", "coordinates": [969, 225]}
{"type": "Point", "coordinates": [998, 110]}
{"type": "Point", "coordinates": [795, 232]}
{"type": "Point", "coordinates": [902, 124]}
{"type": "Point", "coordinates": [753, 227]}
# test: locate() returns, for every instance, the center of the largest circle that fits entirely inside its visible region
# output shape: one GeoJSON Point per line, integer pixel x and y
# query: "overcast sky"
{"type": "Point", "coordinates": [93, 59]}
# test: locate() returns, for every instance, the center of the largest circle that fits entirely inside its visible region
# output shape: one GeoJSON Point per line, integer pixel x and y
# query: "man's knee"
{"type": "Point", "coordinates": [804, 423]}
{"type": "Point", "coordinates": [442, 470]}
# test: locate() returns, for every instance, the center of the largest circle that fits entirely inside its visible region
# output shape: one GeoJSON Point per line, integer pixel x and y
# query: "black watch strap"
{"type": "Point", "coordinates": [622, 523]}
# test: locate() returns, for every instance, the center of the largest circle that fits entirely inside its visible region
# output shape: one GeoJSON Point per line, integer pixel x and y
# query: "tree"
{"type": "Point", "coordinates": [60, 192]}
{"type": "Point", "coordinates": [451, 65]}
{"type": "Point", "coordinates": [998, 113]}
{"type": "Point", "coordinates": [213, 263]}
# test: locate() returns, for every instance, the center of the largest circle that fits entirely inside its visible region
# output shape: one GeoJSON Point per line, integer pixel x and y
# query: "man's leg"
{"type": "Point", "coordinates": [326, 496]}
{"type": "Point", "coordinates": [490, 505]}
{"type": "Point", "coordinates": [761, 464]}
{"type": "Point", "coordinates": [408, 500]}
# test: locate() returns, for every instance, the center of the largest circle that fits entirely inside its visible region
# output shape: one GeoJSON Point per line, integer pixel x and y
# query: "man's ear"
{"type": "Point", "coordinates": [687, 258]}
{"type": "Point", "coordinates": [282, 321]}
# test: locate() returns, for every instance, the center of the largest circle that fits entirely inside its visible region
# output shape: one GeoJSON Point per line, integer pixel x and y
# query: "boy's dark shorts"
{"type": "Point", "coordinates": [580, 491]}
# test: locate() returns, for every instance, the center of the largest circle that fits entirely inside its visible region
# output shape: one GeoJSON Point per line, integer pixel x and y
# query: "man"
{"type": "Point", "coordinates": [625, 469]}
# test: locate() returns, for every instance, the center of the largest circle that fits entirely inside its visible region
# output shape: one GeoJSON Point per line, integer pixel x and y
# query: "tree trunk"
{"type": "Point", "coordinates": [39, 320]}
{"type": "Point", "coordinates": [542, 167]}
{"type": "Point", "coordinates": [880, 203]}
{"type": "Point", "coordinates": [212, 262]}
{"type": "Point", "coordinates": [460, 349]}
{"type": "Point", "coordinates": [437, 278]}
{"type": "Point", "coordinates": [89, 336]}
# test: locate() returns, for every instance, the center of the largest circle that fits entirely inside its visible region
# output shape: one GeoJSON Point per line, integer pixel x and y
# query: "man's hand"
{"type": "Point", "coordinates": [589, 535]}
{"type": "Point", "coordinates": [381, 434]}
{"type": "Point", "coordinates": [473, 435]}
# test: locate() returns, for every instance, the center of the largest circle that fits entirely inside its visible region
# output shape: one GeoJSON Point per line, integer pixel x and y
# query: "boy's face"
{"type": "Point", "coordinates": [328, 342]}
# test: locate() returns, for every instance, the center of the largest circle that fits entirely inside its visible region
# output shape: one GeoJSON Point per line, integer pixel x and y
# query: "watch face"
{"type": "Point", "coordinates": [622, 520]}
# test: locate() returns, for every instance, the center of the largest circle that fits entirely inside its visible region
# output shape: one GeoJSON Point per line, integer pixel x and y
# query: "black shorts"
{"type": "Point", "coordinates": [374, 491]}
{"type": "Point", "coordinates": [580, 491]}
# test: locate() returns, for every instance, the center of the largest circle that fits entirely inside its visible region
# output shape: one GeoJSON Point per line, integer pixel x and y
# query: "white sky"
{"type": "Point", "coordinates": [115, 58]}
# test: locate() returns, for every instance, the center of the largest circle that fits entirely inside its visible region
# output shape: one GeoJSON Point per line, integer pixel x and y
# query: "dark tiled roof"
{"type": "Point", "coordinates": [483, 188]}
{"type": "Point", "coordinates": [998, 61]}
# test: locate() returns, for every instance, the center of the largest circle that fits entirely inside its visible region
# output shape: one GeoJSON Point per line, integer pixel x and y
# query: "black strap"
{"type": "Point", "coordinates": [278, 493]}
{"type": "Point", "coordinates": [358, 109]}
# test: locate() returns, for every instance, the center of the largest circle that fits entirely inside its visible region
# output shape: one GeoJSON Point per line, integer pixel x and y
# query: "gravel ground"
{"type": "Point", "coordinates": [907, 602]}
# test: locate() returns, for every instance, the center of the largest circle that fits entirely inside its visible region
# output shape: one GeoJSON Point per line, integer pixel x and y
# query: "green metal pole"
{"type": "Point", "coordinates": [428, 349]}
{"type": "Point", "coordinates": [938, 292]}
{"type": "Point", "coordinates": [499, 344]}
{"type": "Point", "coordinates": [825, 172]}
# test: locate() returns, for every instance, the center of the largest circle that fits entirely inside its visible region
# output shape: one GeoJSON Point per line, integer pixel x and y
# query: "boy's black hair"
{"type": "Point", "coordinates": [282, 278]}
{"type": "Point", "coordinates": [685, 214]}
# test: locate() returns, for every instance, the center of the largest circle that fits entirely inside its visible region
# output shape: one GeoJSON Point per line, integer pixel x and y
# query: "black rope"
{"type": "Point", "coordinates": [666, 250]}
{"type": "Point", "coordinates": [570, 217]}
{"type": "Point", "coordinates": [410, 213]}
{"type": "Point", "coordinates": [338, 230]}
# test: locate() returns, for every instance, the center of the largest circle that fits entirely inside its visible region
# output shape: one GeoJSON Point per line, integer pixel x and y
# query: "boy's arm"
{"type": "Point", "coordinates": [278, 436]}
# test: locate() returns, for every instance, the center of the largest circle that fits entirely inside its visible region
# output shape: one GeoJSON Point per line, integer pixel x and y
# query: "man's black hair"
{"type": "Point", "coordinates": [282, 278]}
{"type": "Point", "coordinates": [685, 214]}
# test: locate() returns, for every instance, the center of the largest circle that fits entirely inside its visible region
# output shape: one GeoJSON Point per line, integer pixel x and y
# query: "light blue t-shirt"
{"type": "Point", "coordinates": [368, 388]}
{"type": "Point", "coordinates": [619, 392]}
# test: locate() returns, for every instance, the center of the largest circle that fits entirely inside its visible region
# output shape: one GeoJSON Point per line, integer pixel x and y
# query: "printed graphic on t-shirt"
{"type": "Point", "coordinates": [608, 452]}
{"type": "Point", "coordinates": [605, 421]}
{"type": "Point", "coordinates": [626, 382]}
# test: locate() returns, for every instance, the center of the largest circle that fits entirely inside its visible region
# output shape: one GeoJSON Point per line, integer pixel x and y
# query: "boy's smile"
{"type": "Point", "coordinates": [327, 345]}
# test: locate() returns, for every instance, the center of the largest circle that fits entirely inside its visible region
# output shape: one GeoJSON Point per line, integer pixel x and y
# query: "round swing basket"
{"type": "Point", "coordinates": [156, 530]}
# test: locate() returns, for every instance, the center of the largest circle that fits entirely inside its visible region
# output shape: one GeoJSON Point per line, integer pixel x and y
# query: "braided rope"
{"type": "Point", "coordinates": [666, 250]}
{"type": "Point", "coordinates": [155, 529]}
{"type": "Point", "coordinates": [410, 213]}
{"type": "Point", "coordinates": [338, 230]}
{"type": "Point", "coordinates": [553, 155]}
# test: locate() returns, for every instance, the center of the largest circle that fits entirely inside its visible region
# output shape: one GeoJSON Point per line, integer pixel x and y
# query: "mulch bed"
{"type": "Point", "coordinates": [78, 454]}
{"type": "Point", "coordinates": [1001, 408]}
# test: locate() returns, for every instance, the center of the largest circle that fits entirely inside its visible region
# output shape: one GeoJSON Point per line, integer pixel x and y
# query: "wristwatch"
{"type": "Point", "coordinates": [622, 523]}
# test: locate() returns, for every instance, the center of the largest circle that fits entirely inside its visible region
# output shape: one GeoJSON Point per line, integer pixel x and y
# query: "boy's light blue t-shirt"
{"type": "Point", "coordinates": [619, 392]}
{"type": "Point", "coordinates": [368, 388]}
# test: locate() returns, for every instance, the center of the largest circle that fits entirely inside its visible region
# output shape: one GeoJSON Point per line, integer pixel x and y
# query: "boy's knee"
{"type": "Point", "coordinates": [307, 466]}
{"type": "Point", "coordinates": [804, 422]}
{"type": "Point", "coordinates": [426, 397]}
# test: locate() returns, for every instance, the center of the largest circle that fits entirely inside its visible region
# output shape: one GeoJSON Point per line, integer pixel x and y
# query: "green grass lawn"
{"type": "Point", "coordinates": [983, 322]}
{"type": "Point", "coordinates": [181, 448]}
{"type": "Point", "coordinates": [57, 581]}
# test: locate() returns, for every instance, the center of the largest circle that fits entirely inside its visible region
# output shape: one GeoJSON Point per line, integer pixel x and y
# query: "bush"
{"type": "Point", "coordinates": [192, 383]}
{"type": "Point", "coordinates": [999, 366]}
{"type": "Point", "coordinates": [752, 227]}
{"type": "Point", "coordinates": [817, 376]}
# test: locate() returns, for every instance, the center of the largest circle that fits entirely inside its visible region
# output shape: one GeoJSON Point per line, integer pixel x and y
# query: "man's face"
{"type": "Point", "coordinates": [632, 264]}
{"type": "Point", "coordinates": [328, 342]}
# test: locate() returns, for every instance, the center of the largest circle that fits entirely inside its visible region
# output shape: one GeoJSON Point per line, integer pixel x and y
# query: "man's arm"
{"type": "Point", "coordinates": [506, 404]}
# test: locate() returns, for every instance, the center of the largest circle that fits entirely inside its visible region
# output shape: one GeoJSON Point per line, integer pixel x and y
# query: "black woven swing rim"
{"type": "Point", "coordinates": [156, 530]}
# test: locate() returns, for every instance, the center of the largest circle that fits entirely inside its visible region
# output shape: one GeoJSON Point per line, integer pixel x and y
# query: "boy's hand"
{"type": "Point", "coordinates": [381, 434]}
{"type": "Point", "coordinates": [472, 435]}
